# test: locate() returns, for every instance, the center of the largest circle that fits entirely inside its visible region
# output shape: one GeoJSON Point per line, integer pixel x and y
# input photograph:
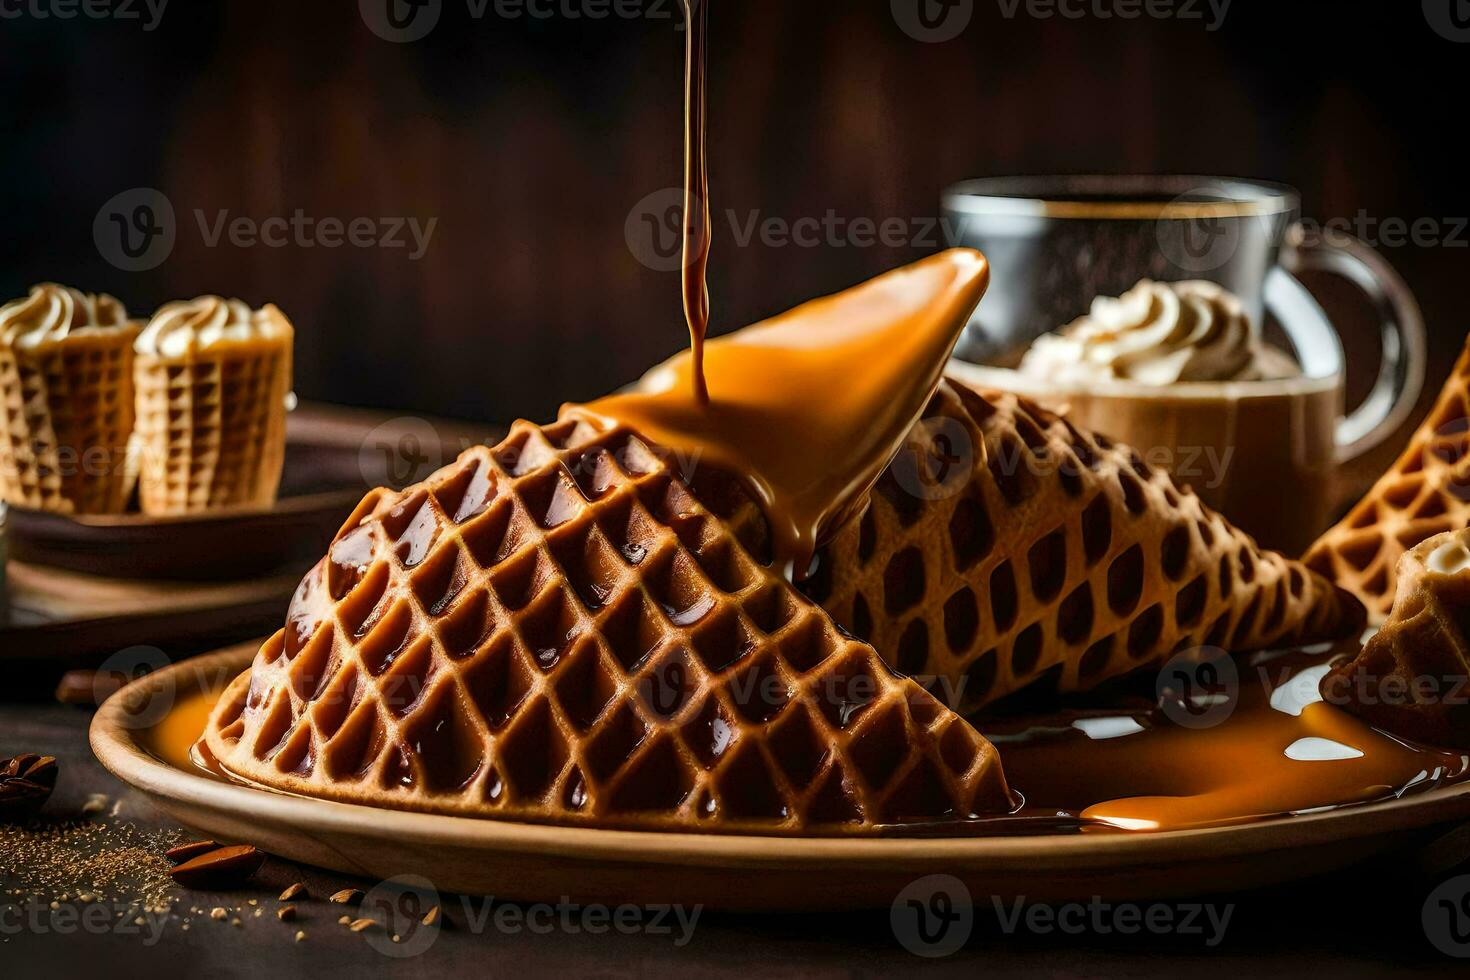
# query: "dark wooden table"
{"type": "Point", "coordinates": [1363, 923]}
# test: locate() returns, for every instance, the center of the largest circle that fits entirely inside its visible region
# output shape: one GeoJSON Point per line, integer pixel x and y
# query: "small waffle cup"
{"type": "Point", "coordinates": [66, 410]}
{"type": "Point", "coordinates": [211, 429]}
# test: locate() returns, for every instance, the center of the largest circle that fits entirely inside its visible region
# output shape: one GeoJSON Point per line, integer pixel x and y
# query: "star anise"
{"type": "Point", "coordinates": [26, 782]}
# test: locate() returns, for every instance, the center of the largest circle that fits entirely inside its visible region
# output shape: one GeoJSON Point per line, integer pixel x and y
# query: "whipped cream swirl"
{"type": "Point", "coordinates": [52, 313]}
{"type": "Point", "coordinates": [1159, 334]}
{"type": "Point", "coordinates": [195, 325]}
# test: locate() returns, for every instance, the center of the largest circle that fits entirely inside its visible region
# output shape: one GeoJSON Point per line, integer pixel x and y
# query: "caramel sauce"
{"type": "Point", "coordinates": [1280, 751]}
{"type": "Point", "coordinates": [1277, 750]}
{"type": "Point", "coordinates": [697, 225]}
{"type": "Point", "coordinates": [173, 739]}
{"type": "Point", "coordinates": [808, 407]}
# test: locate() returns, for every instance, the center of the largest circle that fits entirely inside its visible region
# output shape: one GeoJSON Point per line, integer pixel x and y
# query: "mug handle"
{"type": "Point", "coordinates": [1401, 375]}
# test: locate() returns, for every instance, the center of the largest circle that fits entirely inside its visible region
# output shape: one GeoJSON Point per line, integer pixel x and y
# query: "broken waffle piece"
{"type": "Point", "coordinates": [558, 630]}
{"type": "Point", "coordinates": [1413, 676]}
{"type": "Point", "coordinates": [1425, 493]}
{"type": "Point", "coordinates": [1005, 547]}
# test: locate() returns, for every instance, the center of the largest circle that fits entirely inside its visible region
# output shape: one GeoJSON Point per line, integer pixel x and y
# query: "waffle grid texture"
{"type": "Point", "coordinates": [1005, 547]}
{"type": "Point", "coordinates": [558, 630]}
{"type": "Point", "coordinates": [66, 407]}
{"type": "Point", "coordinates": [211, 427]}
{"type": "Point", "coordinates": [1426, 492]}
{"type": "Point", "coordinates": [1411, 676]}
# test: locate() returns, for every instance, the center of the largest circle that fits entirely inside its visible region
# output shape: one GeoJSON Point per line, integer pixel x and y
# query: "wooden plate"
{"type": "Point", "coordinates": [539, 863]}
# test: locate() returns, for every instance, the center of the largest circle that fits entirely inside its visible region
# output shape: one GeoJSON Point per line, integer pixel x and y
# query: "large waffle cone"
{"type": "Point", "coordinates": [1426, 492]}
{"type": "Point", "coordinates": [212, 426]}
{"type": "Point", "coordinates": [557, 630]}
{"type": "Point", "coordinates": [1004, 545]}
{"type": "Point", "coordinates": [66, 407]}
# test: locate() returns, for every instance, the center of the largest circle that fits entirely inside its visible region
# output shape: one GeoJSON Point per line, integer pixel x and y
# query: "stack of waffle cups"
{"type": "Point", "coordinates": [213, 377]}
{"type": "Point", "coordinates": [66, 401]}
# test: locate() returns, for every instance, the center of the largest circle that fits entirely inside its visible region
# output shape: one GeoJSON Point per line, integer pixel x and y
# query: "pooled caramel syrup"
{"type": "Point", "coordinates": [697, 227]}
{"type": "Point", "coordinates": [1274, 749]}
{"type": "Point", "coordinates": [1278, 752]}
{"type": "Point", "coordinates": [809, 407]}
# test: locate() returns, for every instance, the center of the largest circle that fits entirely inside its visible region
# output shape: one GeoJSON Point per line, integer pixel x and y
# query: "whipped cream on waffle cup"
{"type": "Point", "coordinates": [66, 401]}
{"type": "Point", "coordinates": [213, 377]}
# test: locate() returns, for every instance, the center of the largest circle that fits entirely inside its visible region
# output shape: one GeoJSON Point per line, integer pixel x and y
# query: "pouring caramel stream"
{"type": "Point", "coordinates": [808, 407]}
{"type": "Point", "coordinates": [697, 227]}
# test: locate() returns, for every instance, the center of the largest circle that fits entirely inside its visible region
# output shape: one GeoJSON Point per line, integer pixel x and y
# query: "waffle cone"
{"type": "Point", "coordinates": [1412, 677]}
{"type": "Point", "coordinates": [1004, 546]}
{"type": "Point", "coordinates": [1426, 492]}
{"type": "Point", "coordinates": [66, 407]}
{"type": "Point", "coordinates": [212, 427]}
{"type": "Point", "coordinates": [558, 630]}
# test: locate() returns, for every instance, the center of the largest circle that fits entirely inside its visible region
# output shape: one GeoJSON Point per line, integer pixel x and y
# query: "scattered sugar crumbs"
{"type": "Point", "coordinates": [117, 865]}
{"type": "Point", "coordinates": [87, 861]}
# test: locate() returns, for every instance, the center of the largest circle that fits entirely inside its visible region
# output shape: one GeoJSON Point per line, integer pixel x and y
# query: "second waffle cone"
{"type": "Point", "coordinates": [1426, 492]}
{"type": "Point", "coordinates": [1005, 546]}
{"type": "Point", "coordinates": [211, 428]}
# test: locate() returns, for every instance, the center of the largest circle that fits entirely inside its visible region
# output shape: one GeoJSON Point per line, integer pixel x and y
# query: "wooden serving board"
{"type": "Point", "coordinates": [56, 620]}
{"type": "Point", "coordinates": [81, 590]}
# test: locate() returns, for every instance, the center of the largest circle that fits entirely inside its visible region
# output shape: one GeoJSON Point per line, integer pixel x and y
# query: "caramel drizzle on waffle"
{"type": "Point", "coordinates": [558, 630]}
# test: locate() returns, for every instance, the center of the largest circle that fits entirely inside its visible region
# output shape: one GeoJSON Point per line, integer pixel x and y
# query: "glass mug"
{"type": "Point", "coordinates": [1261, 452]}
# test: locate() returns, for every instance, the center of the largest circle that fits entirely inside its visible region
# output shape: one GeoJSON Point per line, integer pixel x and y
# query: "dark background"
{"type": "Point", "coordinates": [531, 139]}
